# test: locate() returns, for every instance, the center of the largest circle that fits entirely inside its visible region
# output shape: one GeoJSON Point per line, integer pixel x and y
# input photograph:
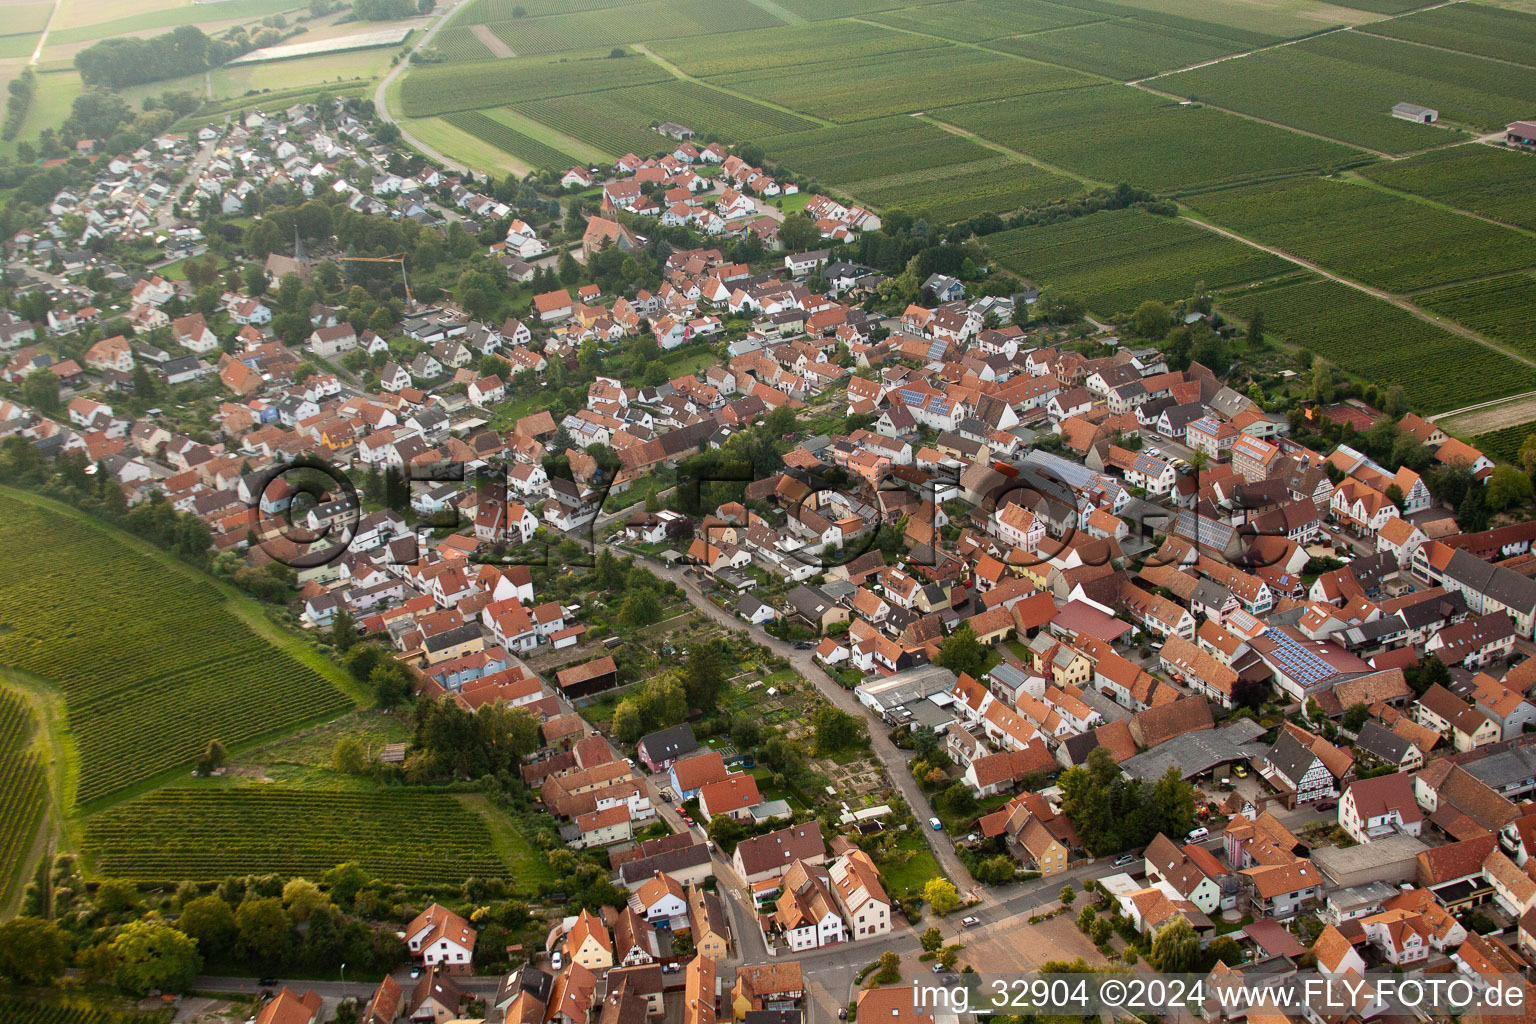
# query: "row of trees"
{"type": "Point", "coordinates": [1113, 813]}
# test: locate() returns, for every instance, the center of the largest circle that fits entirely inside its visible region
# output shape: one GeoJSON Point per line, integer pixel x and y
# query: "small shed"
{"type": "Point", "coordinates": [1521, 133]}
{"type": "Point", "coordinates": [1415, 113]}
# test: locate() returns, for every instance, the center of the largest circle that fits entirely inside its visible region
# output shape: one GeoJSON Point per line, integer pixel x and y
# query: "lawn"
{"type": "Point", "coordinates": [907, 868]}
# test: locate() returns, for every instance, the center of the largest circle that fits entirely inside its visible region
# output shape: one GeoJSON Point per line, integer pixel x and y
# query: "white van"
{"type": "Point", "coordinates": [1200, 835]}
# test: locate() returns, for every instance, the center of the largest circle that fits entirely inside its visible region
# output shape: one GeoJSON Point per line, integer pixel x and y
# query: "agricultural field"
{"type": "Point", "coordinates": [32, 1010]}
{"type": "Point", "coordinates": [974, 21]}
{"type": "Point", "coordinates": [1504, 444]}
{"type": "Point", "coordinates": [655, 19]}
{"type": "Point", "coordinates": [509, 140]}
{"type": "Point", "coordinates": [998, 184]}
{"type": "Point", "coordinates": [1362, 232]}
{"type": "Point", "coordinates": [82, 20]}
{"type": "Point", "coordinates": [1115, 260]}
{"type": "Point", "coordinates": [481, 11]}
{"type": "Point", "coordinates": [26, 18]}
{"type": "Point", "coordinates": [1344, 85]}
{"type": "Point", "coordinates": [1382, 343]}
{"type": "Point", "coordinates": [1471, 28]}
{"type": "Point", "coordinates": [1155, 139]}
{"type": "Point", "coordinates": [202, 833]}
{"type": "Point", "coordinates": [460, 43]}
{"type": "Point", "coordinates": [1123, 50]}
{"type": "Point", "coordinates": [1503, 309]}
{"type": "Point", "coordinates": [1484, 179]}
{"type": "Point", "coordinates": [1242, 21]}
{"type": "Point", "coordinates": [861, 88]}
{"type": "Point", "coordinates": [869, 149]}
{"type": "Point", "coordinates": [23, 790]}
{"type": "Point", "coordinates": [444, 88]}
{"type": "Point", "coordinates": [152, 661]}
{"type": "Point", "coordinates": [766, 49]}
{"type": "Point", "coordinates": [340, 68]}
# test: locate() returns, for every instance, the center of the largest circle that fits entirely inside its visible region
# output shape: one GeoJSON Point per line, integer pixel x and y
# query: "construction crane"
{"type": "Point", "coordinates": [399, 258]}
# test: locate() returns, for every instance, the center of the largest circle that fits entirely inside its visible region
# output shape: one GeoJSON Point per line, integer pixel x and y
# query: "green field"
{"type": "Point", "coordinates": [1504, 444]}
{"type": "Point", "coordinates": [619, 120]}
{"type": "Point", "coordinates": [655, 19]}
{"type": "Point", "coordinates": [443, 88]}
{"type": "Point", "coordinates": [1115, 260]}
{"type": "Point", "coordinates": [31, 1010]}
{"type": "Point", "coordinates": [152, 660]}
{"type": "Point", "coordinates": [27, 18]}
{"type": "Point", "coordinates": [83, 23]}
{"type": "Point", "coordinates": [1122, 50]}
{"type": "Point", "coordinates": [1115, 134]}
{"type": "Point", "coordinates": [205, 833]}
{"type": "Point", "coordinates": [766, 49]}
{"type": "Point", "coordinates": [1243, 22]}
{"type": "Point", "coordinates": [892, 145]}
{"type": "Point", "coordinates": [460, 43]}
{"type": "Point", "coordinates": [1344, 86]}
{"type": "Point", "coordinates": [1364, 232]}
{"type": "Point", "coordinates": [858, 88]}
{"type": "Point", "coordinates": [998, 184]}
{"type": "Point", "coordinates": [1437, 370]}
{"type": "Point", "coordinates": [506, 10]}
{"type": "Point", "coordinates": [509, 140]}
{"type": "Point", "coordinates": [23, 790]}
{"type": "Point", "coordinates": [1491, 181]}
{"type": "Point", "coordinates": [971, 21]}
{"type": "Point", "coordinates": [1471, 28]}
{"type": "Point", "coordinates": [1503, 309]}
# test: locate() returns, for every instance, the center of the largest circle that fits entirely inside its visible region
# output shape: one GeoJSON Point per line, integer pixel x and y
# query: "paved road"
{"type": "Point", "coordinates": [891, 756]}
{"type": "Point", "coordinates": [381, 104]}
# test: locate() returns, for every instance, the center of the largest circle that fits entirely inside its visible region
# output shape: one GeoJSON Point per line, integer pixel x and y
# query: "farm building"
{"type": "Point", "coordinates": [1414, 112]}
{"type": "Point", "coordinates": [675, 131]}
{"type": "Point", "coordinates": [592, 677]}
{"type": "Point", "coordinates": [1521, 133]}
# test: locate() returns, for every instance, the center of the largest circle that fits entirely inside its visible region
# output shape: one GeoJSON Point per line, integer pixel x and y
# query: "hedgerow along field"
{"type": "Point", "coordinates": [1377, 341]}
{"type": "Point", "coordinates": [1503, 309]}
{"type": "Point", "coordinates": [23, 790]}
{"type": "Point", "coordinates": [204, 833]}
{"type": "Point", "coordinates": [1344, 85]}
{"type": "Point", "coordinates": [1114, 260]}
{"type": "Point", "coordinates": [1158, 144]}
{"type": "Point", "coordinates": [1367, 234]}
{"type": "Point", "coordinates": [1492, 181]}
{"type": "Point", "coordinates": [152, 661]}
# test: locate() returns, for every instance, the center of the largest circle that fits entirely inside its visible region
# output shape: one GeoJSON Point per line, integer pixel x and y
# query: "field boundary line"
{"type": "Point", "coordinates": [1483, 279]}
{"type": "Point", "coordinates": [1263, 120]}
{"type": "Point", "coordinates": [1102, 79]}
{"type": "Point", "coordinates": [1481, 406]}
{"type": "Point", "coordinates": [784, 14]}
{"type": "Point", "coordinates": [1448, 49]}
{"type": "Point", "coordinates": [998, 147]}
{"type": "Point", "coordinates": [1373, 292]}
{"type": "Point", "coordinates": [681, 75]}
{"type": "Point", "coordinates": [1355, 177]}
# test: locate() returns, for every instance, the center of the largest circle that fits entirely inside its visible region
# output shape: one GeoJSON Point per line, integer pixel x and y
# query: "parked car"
{"type": "Point", "coordinates": [415, 973]}
{"type": "Point", "coordinates": [938, 968]}
{"type": "Point", "coordinates": [969, 922]}
{"type": "Point", "coordinates": [556, 960]}
{"type": "Point", "coordinates": [936, 824]}
{"type": "Point", "coordinates": [1240, 771]}
{"type": "Point", "coordinates": [1124, 859]}
{"type": "Point", "coordinates": [670, 968]}
{"type": "Point", "coordinates": [842, 1013]}
{"type": "Point", "coordinates": [1200, 835]}
{"type": "Point", "coordinates": [1327, 805]}
{"type": "Point", "coordinates": [272, 982]}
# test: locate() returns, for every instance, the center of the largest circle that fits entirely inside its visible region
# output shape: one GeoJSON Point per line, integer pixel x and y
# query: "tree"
{"type": "Point", "coordinates": [149, 955]}
{"type": "Point", "coordinates": [32, 951]}
{"type": "Point", "coordinates": [1528, 454]}
{"type": "Point", "coordinates": [780, 421]}
{"type": "Point", "coordinates": [941, 895]}
{"type": "Point", "coordinates": [962, 652]}
{"type": "Point", "coordinates": [1175, 947]}
{"type": "Point", "coordinates": [213, 758]}
{"type": "Point", "coordinates": [343, 631]}
{"type": "Point", "coordinates": [348, 756]}
{"type": "Point", "coordinates": [835, 730]}
{"type": "Point", "coordinates": [1507, 486]}
{"type": "Point", "coordinates": [932, 939]}
{"type": "Point", "coordinates": [890, 968]}
{"type": "Point", "coordinates": [265, 929]}
{"type": "Point", "coordinates": [996, 870]}
{"type": "Point", "coordinates": [948, 956]}
{"type": "Point", "coordinates": [302, 898]}
{"type": "Point", "coordinates": [641, 608]}
{"type": "Point", "coordinates": [1068, 895]}
{"type": "Point", "coordinates": [704, 674]}
{"type": "Point", "coordinates": [344, 881]}
{"type": "Point", "coordinates": [570, 270]}
{"type": "Point", "coordinates": [391, 683]}
{"type": "Point", "coordinates": [116, 896]}
{"type": "Point", "coordinates": [1256, 326]}
{"type": "Point", "coordinates": [40, 389]}
{"type": "Point", "coordinates": [1355, 717]}
{"type": "Point", "coordinates": [1173, 804]}
{"type": "Point", "coordinates": [1151, 319]}
{"type": "Point", "coordinates": [210, 921]}
{"type": "Point", "coordinates": [798, 233]}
